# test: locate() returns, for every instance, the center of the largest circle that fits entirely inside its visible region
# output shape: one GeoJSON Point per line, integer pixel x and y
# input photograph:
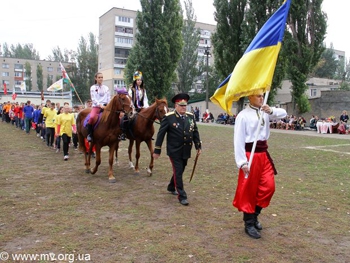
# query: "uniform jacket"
{"type": "Point", "coordinates": [181, 135]}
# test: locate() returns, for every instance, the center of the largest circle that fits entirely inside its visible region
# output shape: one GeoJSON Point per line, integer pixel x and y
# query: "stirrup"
{"type": "Point", "coordinates": [122, 137]}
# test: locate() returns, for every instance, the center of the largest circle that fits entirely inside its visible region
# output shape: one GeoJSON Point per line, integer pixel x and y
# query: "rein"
{"type": "Point", "coordinates": [157, 116]}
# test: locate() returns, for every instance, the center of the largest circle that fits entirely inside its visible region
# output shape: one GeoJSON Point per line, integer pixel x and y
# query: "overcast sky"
{"type": "Point", "coordinates": [48, 24]}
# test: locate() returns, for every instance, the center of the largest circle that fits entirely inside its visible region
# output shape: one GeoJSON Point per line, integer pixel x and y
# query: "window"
{"type": "Point", "coordinates": [6, 81]}
{"type": "Point", "coordinates": [6, 74]}
{"type": "Point", "coordinates": [120, 61]}
{"type": "Point", "coordinates": [121, 53]}
{"type": "Point", "coordinates": [18, 66]}
{"type": "Point", "coordinates": [119, 83]}
{"type": "Point", "coordinates": [117, 71]}
{"type": "Point", "coordinates": [121, 29]}
{"type": "Point", "coordinates": [18, 83]}
{"type": "Point", "coordinates": [5, 65]}
{"type": "Point", "coordinates": [313, 92]}
{"type": "Point", "coordinates": [124, 19]}
{"type": "Point", "coordinates": [124, 40]}
{"type": "Point", "coordinates": [50, 77]}
{"type": "Point", "coordinates": [18, 74]}
{"type": "Point", "coordinates": [49, 69]}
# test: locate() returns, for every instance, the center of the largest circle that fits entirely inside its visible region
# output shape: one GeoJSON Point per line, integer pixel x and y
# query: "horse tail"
{"type": "Point", "coordinates": [81, 138]}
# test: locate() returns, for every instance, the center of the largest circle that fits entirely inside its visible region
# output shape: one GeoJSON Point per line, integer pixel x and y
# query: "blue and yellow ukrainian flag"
{"type": "Point", "coordinates": [254, 71]}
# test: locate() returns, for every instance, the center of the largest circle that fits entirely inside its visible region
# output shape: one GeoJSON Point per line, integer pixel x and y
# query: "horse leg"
{"type": "Point", "coordinates": [112, 149]}
{"type": "Point", "coordinates": [150, 148]}
{"type": "Point", "coordinates": [137, 157]}
{"type": "Point", "coordinates": [131, 144]}
{"type": "Point", "coordinates": [98, 158]}
{"type": "Point", "coordinates": [87, 156]}
{"type": "Point", "coordinates": [116, 156]}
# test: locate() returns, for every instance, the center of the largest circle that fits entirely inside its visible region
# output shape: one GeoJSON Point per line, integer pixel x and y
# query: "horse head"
{"type": "Point", "coordinates": [126, 101]}
{"type": "Point", "coordinates": [162, 108]}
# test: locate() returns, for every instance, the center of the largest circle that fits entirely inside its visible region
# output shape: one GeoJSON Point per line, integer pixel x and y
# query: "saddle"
{"type": "Point", "coordinates": [86, 121]}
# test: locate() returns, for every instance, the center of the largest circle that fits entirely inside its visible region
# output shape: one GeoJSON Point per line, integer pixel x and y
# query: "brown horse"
{"type": "Point", "coordinates": [142, 130]}
{"type": "Point", "coordinates": [106, 132]}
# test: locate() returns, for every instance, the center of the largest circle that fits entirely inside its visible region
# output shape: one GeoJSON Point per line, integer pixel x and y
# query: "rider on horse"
{"type": "Point", "coordinates": [100, 97]}
{"type": "Point", "coordinates": [138, 94]}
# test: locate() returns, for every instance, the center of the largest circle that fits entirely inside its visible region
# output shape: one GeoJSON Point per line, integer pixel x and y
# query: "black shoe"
{"type": "Point", "coordinates": [93, 155]}
{"type": "Point", "coordinates": [122, 137]}
{"type": "Point", "coordinates": [184, 202]}
{"type": "Point", "coordinates": [89, 139]}
{"type": "Point", "coordinates": [252, 232]}
{"type": "Point", "coordinates": [173, 192]}
{"type": "Point", "coordinates": [257, 225]}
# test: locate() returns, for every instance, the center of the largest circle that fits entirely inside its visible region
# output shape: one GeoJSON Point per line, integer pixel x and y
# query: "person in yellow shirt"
{"type": "Point", "coordinates": [50, 115]}
{"type": "Point", "coordinates": [65, 128]}
{"type": "Point", "coordinates": [57, 138]}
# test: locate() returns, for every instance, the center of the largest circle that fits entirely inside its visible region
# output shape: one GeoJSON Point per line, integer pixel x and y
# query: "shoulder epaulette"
{"type": "Point", "coordinates": [189, 113]}
{"type": "Point", "coordinates": [170, 113]}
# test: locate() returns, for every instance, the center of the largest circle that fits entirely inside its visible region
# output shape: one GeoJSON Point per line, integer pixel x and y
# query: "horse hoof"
{"type": "Point", "coordinates": [112, 180]}
{"type": "Point", "coordinates": [149, 174]}
{"type": "Point", "coordinates": [87, 171]}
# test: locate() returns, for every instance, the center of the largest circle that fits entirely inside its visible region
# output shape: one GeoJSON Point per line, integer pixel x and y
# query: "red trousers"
{"type": "Point", "coordinates": [95, 111]}
{"type": "Point", "coordinates": [258, 188]}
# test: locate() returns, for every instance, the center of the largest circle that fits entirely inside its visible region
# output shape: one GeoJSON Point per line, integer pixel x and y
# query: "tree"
{"type": "Point", "coordinates": [307, 29]}
{"type": "Point", "coordinates": [39, 76]}
{"type": "Point", "coordinates": [49, 81]}
{"type": "Point", "coordinates": [133, 63]}
{"type": "Point", "coordinates": [327, 65]}
{"type": "Point", "coordinates": [159, 38]}
{"type": "Point", "coordinates": [57, 55]}
{"type": "Point", "coordinates": [28, 74]}
{"type": "Point", "coordinates": [228, 38]}
{"type": "Point", "coordinates": [187, 68]}
{"type": "Point", "coordinates": [25, 52]}
{"type": "Point", "coordinates": [83, 76]}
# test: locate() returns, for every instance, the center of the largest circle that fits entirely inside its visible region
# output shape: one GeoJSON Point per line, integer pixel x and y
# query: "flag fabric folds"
{"type": "Point", "coordinates": [254, 71]}
{"type": "Point", "coordinates": [58, 85]}
{"type": "Point", "coordinates": [66, 78]}
{"type": "Point", "coordinates": [14, 95]}
{"type": "Point", "coordinates": [5, 88]}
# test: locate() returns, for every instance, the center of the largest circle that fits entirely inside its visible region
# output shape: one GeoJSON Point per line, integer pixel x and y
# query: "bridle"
{"type": "Point", "coordinates": [157, 115]}
{"type": "Point", "coordinates": [123, 104]}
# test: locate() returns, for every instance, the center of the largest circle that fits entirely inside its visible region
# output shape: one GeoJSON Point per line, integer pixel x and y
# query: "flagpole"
{"type": "Point", "coordinates": [257, 134]}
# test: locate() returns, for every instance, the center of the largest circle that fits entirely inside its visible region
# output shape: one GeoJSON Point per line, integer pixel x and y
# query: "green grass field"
{"type": "Point", "coordinates": [48, 205]}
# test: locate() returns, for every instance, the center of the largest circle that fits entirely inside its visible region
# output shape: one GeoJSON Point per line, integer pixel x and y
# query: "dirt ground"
{"type": "Point", "coordinates": [51, 206]}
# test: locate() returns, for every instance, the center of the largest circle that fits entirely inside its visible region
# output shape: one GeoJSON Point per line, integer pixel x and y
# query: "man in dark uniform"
{"type": "Point", "coordinates": [182, 132]}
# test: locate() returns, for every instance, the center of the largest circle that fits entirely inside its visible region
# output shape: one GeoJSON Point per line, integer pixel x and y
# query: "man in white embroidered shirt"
{"type": "Point", "coordinates": [256, 184]}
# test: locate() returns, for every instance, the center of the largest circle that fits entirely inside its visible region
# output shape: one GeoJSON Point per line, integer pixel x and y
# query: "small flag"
{"type": "Point", "coordinates": [66, 78]}
{"type": "Point", "coordinates": [58, 85]}
{"type": "Point", "coordinates": [14, 95]}
{"type": "Point", "coordinates": [5, 89]}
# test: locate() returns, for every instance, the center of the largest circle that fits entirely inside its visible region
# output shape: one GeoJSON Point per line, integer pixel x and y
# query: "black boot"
{"type": "Point", "coordinates": [122, 137]}
{"type": "Point", "coordinates": [249, 228]}
{"type": "Point", "coordinates": [257, 224]}
{"type": "Point", "coordinates": [89, 136]}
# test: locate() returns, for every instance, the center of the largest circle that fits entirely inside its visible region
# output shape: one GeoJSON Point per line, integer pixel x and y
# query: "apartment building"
{"type": "Point", "coordinates": [13, 72]}
{"type": "Point", "coordinates": [117, 30]}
